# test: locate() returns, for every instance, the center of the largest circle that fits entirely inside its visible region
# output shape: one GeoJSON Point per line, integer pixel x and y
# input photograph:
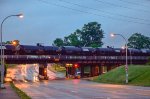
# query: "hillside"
{"type": "Point", "coordinates": [138, 75]}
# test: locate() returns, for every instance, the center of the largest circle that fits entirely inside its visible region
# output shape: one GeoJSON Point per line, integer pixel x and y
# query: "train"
{"type": "Point", "coordinates": [72, 50]}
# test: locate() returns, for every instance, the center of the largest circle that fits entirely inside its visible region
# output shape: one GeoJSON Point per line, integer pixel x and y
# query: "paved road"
{"type": "Point", "coordinates": [8, 93]}
{"type": "Point", "coordinates": [82, 89]}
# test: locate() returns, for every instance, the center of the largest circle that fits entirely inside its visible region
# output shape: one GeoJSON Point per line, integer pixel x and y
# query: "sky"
{"type": "Point", "coordinates": [46, 20]}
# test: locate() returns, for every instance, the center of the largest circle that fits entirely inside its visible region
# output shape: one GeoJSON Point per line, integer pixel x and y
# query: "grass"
{"type": "Point", "coordinates": [11, 65]}
{"type": "Point", "coordinates": [20, 93]}
{"type": "Point", "coordinates": [138, 75]}
{"type": "Point", "coordinates": [57, 68]}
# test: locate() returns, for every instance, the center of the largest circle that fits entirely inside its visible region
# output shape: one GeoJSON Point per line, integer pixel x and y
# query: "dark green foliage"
{"type": "Point", "coordinates": [8, 42]}
{"type": "Point", "coordinates": [89, 36]}
{"type": "Point", "coordinates": [139, 41]}
{"type": "Point", "coordinates": [58, 42]}
{"type": "Point", "coordinates": [72, 40]}
{"type": "Point", "coordinates": [92, 35]}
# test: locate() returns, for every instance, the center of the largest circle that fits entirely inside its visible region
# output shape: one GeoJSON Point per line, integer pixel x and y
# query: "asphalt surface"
{"type": "Point", "coordinates": [8, 93]}
{"type": "Point", "coordinates": [82, 89]}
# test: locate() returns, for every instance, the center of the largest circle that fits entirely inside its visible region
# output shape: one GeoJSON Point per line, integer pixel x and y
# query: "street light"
{"type": "Point", "coordinates": [2, 49]}
{"type": "Point", "coordinates": [14, 43]}
{"type": "Point", "coordinates": [130, 56]}
{"type": "Point", "coordinates": [126, 47]}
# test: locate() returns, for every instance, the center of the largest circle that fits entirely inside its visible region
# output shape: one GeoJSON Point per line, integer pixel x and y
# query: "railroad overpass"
{"type": "Point", "coordinates": [96, 64]}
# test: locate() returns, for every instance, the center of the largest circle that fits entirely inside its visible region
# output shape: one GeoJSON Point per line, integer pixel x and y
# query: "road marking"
{"type": "Point", "coordinates": [102, 98]}
{"type": "Point", "coordinates": [73, 91]}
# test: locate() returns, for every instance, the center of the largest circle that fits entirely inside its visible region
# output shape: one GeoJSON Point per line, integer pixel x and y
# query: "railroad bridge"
{"type": "Point", "coordinates": [75, 59]}
{"type": "Point", "coordinates": [96, 64]}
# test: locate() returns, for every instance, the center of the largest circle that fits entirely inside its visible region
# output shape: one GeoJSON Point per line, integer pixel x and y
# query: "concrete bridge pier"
{"type": "Point", "coordinates": [43, 71]}
{"type": "Point", "coordinates": [95, 70]}
{"type": "Point", "coordinates": [91, 70]}
{"type": "Point", "coordinates": [87, 70]}
{"type": "Point", "coordinates": [100, 69]}
{"type": "Point", "coordinates": [67, 70]}
{"type": "Point", "coordinates": [82, 71]}
{"type": "Point", "coordinates": [71, 70]}
{"type": "Point", "coordinates": [109, 67]}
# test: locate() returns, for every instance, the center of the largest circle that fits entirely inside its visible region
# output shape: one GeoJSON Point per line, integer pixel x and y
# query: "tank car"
{"type": "Point", "coordinates": [29, 50]}
{"type": "Point", "coordinates": [70, 50]}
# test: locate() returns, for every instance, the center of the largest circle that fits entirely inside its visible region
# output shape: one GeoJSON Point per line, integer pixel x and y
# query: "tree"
{"type": "Point", "coordinates": [72, 40]}
{"type": "Point", "coordinates": [66, 41]}
{"type": "Point", "coordinates": [92, 35]}
{"type": "Point", "coordinates": [58, 42]}
{"type": "Point", "coordinates": [139, 41]}
{"type": "Point", "coordinates": [14, 42]}
{"type": "Point", "coordinates": [8, 42]}
{"type": "Point", "coordinates": [89, 36]}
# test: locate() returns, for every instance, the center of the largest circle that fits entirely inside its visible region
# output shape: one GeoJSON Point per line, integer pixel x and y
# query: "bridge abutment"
{"type": "Point", "coordinates": [82, 71]}
{"type": "Point", "coordinates": [100, 69]}
{"type": "Point", "coordinates": [87, 70]}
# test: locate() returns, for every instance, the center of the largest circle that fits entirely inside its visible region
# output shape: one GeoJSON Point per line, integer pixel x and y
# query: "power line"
{"type": "Point", "coordinates": [116, 5]}
{"type": "Point", "coordinates": [105, 11]}
{"type": "Point", "coordinates": [129, 2]}
{"type": "Point", "coordinates": [50, 3]}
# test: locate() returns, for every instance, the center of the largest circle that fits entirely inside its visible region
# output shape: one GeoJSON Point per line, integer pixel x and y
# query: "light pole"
{"type": "Point", "coordinates": [2, 48]}
{"type": "Point", "coordinates": [126, 66]}
{"type": "Point", "coordinates": [130, 56]}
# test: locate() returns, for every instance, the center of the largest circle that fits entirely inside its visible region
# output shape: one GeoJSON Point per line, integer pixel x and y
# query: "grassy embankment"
{"type": "Point", "coordinates": [138, 75]}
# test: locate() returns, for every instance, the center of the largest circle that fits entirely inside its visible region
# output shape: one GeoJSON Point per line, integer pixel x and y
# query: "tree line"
{"type": "Point", "coordinates": [91, 35]}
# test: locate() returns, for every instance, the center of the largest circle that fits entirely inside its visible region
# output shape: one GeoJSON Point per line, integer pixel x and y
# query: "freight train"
{"type": "Point", "coordinates": [72, 50]}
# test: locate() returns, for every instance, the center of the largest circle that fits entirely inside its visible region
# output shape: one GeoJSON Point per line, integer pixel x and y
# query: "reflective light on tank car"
{"type": "Point", "coordinates": [123, 47]}
{"type": "Point", "coordinates": [35, 64]}
{"type": "Point", "coordinates": [112, 34]}
{"type": "Point", "coordinates": [14, 43]}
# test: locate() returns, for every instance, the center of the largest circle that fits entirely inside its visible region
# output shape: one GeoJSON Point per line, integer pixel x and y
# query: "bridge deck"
{"type": "Point", "coordinates": [67, 58]}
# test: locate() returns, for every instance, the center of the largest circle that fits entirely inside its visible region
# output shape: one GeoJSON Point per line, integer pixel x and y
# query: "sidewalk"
{"type": "Point", "coordinates": [8, 93]}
